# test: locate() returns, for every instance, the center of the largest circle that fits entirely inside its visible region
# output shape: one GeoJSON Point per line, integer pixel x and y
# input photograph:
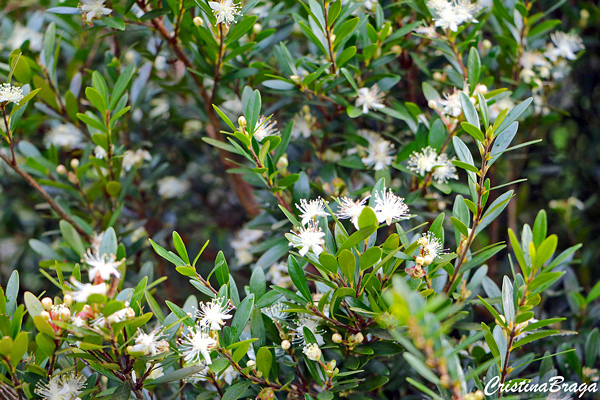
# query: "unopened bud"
{"type": "Point", "coordinates": [257, 28]}
{"type": "Point", "coordinates": [473, 100]}
{"type": "Point", "coordinates": [285, 345]}
{"type": "Point", "coordinates": [74, 163]}
{"type": "Point", "coordinates": [251, 363]}
{"type": "Point", "coordinates": [479, 395]}
{"type": "Point", "coordinates": [242, 121]}
{"type": "Point", "coordinates": [438, 76]}
{"type": "Point", "coordinates": [68, 299]}
{"type": "Point", "coordinates": [420, 260]}
{"type": "Point", "coordinates": [198, 21]}
{"type": "Point", "coordinates": [332, 37]}
{"type": "Point", "coordinates": [61, 169]}
{"type": "Point", "coordinates": [359, 338]}
{"type": "Point", "coordinates": [396, 49]}
{"type": "Point", "coordinates": [337, 338]}
{"type": "Point", "coordinates": [432, 104]}
{"type": "Point", "coordinates": [47, 303]}
{"type": "Point", "coordinates": [428, 259]}
{"type": "Point", "coordinates": [45, 314]}
{"type": "Point", "coordinates": [486, 44]}
{"type": "Point", "coordinates": [65, 314]}
{"type": "Point", "coordinates": [481, 89]}
{"type": "Point", "coordinates": [296, 79]}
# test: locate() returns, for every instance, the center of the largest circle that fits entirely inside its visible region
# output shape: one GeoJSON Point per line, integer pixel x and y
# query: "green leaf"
{"type": "Point", "coordinates": [241, 317]}
{"type": "Point", "coordinates": [508, 303]}
{"type": "Point", "coordinates": [462, 228]}
{"type": "Point", "coordinates": [513, 115]}
{"type": "Point", "coordinates": [367, 218]}
{"type": "Point", "coordinates": [357, 237]}
{"type": "Point", "coordinates": [489, 338]}
{"type": "Point", "coordinates": [540, 228]}
{"type": "Point", "coordinates": [33, 304]}
{"type": "Point", "coordinates": [12, 291]}
{"type": "Point", "coordinates": [264, 359]}
{"type": "Point", "coordinates": [474, 68]}
{"type": "Point", "coordinates": [234, 392]}
{"type": "Point", "coordinates": [533, 337]}
{"type": "Point", "coordinates": [176, 375]}
{"type": "Point", "coordinates": [96, 99]}
{"type": "Point", "coordinates": [421, 368]}
{"type": "Point", "coordinates": [347, 263]}
{"type": "Point", "coordinates": [473, 131]}
{"type": "Point", "coordinates": [465, 166]}
{"type": "Point", "coordinates": [19, 348]}
{"type": "Point", "coordinates": [70, 234]}
{"type": "Point", "coordinates": [545, 250]}
{"type": "Point", "coordinates": [370, 257]}
{"type": "Point", "coordinates": [258, 284]}
{"type": "Point", "coordinates": [115, 23]}
{"type": "Point", "coordinates": [469, 110]}
{"type": "Point", "coordinates": [121, 84]}
{"type": "Point", "coordinates": [180, 247]}
{"type": "Point", "coordinates": [298, 277]}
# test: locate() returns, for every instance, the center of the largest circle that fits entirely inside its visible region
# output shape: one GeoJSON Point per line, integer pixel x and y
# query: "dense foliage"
{"type": "Point", "coordinates": [349, 180]}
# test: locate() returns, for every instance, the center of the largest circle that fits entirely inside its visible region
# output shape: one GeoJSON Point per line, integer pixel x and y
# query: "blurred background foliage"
{"type": "Point", "coordinates": [563, 173]}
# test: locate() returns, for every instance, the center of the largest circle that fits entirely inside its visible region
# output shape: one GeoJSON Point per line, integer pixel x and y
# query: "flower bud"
{"type": "Point", "coordinates": [68, 299]}
{"type": "Point", "coordinates": [337, 338]}
{"type": "Point", "coordinates": [47, 303]}
{"type": "Point", "coordinates": [257, 28]}
{"type": "Point", "coordinates": [438, 76]}
{"type": "Point", "coordinates": [432, 104]}
{"type": "Point", "coordinates": [486, 44]}
{"type": "Point", "coordinates": [359, 338]}
{"type": "Point", "coordinates": [420, 260]}
{"type": "Point", "coordinates": [285, 345]}
{"type": "Point", "coordinates": [74, 163]}
{"type": "Point", "coordinates": [428, 259]}
{"type": "Point", "coordinates": [242, 122]}
{"type": "Point", "coordinates": [61, 169]}
{"type": "Point", "coordinates": [396, 49]}
{"type": "Point", "coordinates": [65, 314]}
{"type": "Point", "coordinates": [473, 100]}
{"type": "Point", "coordinates": [45, 314]}
{"type": "Point", "coordinates": [251, 363]}
{"type": "Point", "coordinates": [312, 352]}
{"type": "Point", "coordinates": [479, 395]}
{"type": "Point", "coordinates": [296, 79]}
{"type": "Point", "coordinates": [198, 21]}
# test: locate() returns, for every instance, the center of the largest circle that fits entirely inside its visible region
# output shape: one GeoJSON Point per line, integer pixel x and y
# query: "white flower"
{"type": "Point", "coordinates": [309, 238]}
{"type": "Point", "coordinates": [432, 246]}
{"type": "Point", "coordinates": [157, 371]}
{"type": "Point", "coordinates": [149, 343]}
{"type": "Point", "coordinates": [303, 123]}
{"type": "Point", "coordinates": [94, 9]}
{"type": "Point", "coordinates": [449, 14]}
{"type": "Point", "coordinates": [265, 127]}
{"type": "Point", "coordinates": [426, 30]}
{"type": "Point", "coordinates": [100, 152]}
{"type": "Point", "coordinates": [451, 104]}
{"type": "Point", "coordinates": [312, 352]}
{"type": "Point", "coordinates": [21, 34]}
{"type": "Point", "coordinates": [61, 387]}
{"type": "Point", "coordinates": [499, 106]}
{"type": "Point", "coordinates": [135, 158]}
{"type": "Point", "coordinates": [64, 136]}
{"type": "Point", "coordinates": [444, 169]}
{"type": "Point", "coordinates": [85, 290]}
{"type": "Point", "coordinates": [10, 93]}
{"type": "Point", "coordinates": [369, 98]}
{"type": "Point", "coordinates": [351, 209]}
{"type": "Point", "coordinates": [242, 244]}
{"type": "Point", "coordinates": [102, 266]}
{"type": "Point", "coordinates": [171, 187]}
{"type": "Point", "coordinates": [196, 346]}
{"type": "Point", "coordinates": [379, 155]}
{"type": "Point", "coordinates": [311, 210]}
{"type": "Point", "coordinates": [389, 207]}
{"type": "Point", "coordinates": [530, 60]}
{"type": "Point", "coordinates": [225, 11]}
{"type": "Point", "coordinates": [213, 313]}
{"type": "Point", "coordinates": [567, 44]}
{"type": "Point", "coordinates": [229, 375]}
{"type": "Point", "coordinates": [121, 315]}
{"type": "Point", "coordinates": [278, 275]}
{"type": "Point", "coordinates": [311, 323]}
{"type": "Point", "coordinates": [423, 161]}
{"type": "Point", "coordinates": [275, 311]}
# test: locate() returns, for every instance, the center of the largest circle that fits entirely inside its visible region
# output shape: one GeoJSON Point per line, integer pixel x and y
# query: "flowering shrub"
{"type": "Point", "coordinates": [359, 149]}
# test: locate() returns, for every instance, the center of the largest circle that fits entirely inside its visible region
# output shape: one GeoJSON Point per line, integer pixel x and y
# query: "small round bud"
{"type": "Point", "coordinates": [61, 169]}
{"type": "Point", "coordinates": [337, 338]}
{"type": "Point", "coordinates": [332, 36]}
{"type": "Point", "coordinates": [432, 104]}
{"type": "Point", "coordinates": [420, 260]}
{"type": "Point", "coordinates": [45, 314]}
{"type": "Point", "coordinates": [296, 79]}
{"type": "Point", "coordinates": [481, 89]}
{"type": "Point", "coordinates": [282, 162]}
{"type": "Point", "coordinates": [198, 21]}
{"type": "Point", "coordinates": [473, 100]}
{"type": "Point", "coordinates": [65, 314]}
{"type": "Point", "coordinates": [74, 163]}
{"type": "Point", "coordinates": [47, 303]}
{"type": "Point", "coordinates": [242, 121]}
{"type": "Point", "coordinates": [396, 49]}
{"type": "Point", "coordinates": [428, 259]}
{"type": "Point", "coordinates": [479, 395]}
{"type": "Point", "coordinates": [438, 76]}
{"type": "Point", "coordinates": [257, 28]}
{"type": "Point", "coordinates": [285, 345]}
{"type": "Point", "coordinates": [129, 349]}
{"type": "Point", "coordinates": [359, 338]}
{"type": "Point", "coordinates": [486, 44]}
{"type": "Point", "coordinates": [68, 299]}
{"type": "Point", "coordinates": [251, 363]}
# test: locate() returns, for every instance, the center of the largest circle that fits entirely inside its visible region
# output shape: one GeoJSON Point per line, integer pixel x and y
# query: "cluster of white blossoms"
{"type": "Point", "coordinates": [225, 11]}
{"type": "Point", "coordinates": [171, 187]}
{"type": "Point", "coordinates": [93, 9]}
{"type": "Point", "coordinates": [61, 387]}
{"type": "Point", "coordinates": [311, 323]}
{"type": "Point", "coordinates": [135, 158]}
{"type": "Point", "coordinates": [427, 160]}
{"type": "Point", "coordinates": [311, 210]}
{"type": "Point", "coordinates": [369, 99]}
{"type": "Point", "coordinates": [66, 136]}
{"type": "Point", "coordinates": [265, 127]}
{"type": "Point", "coordinates": [10, 94]}
{"type": "Point", "coordinates": [198, 343]}
{"type": "Point", "coordinates": [304, 122]}
{"type": "Point", "coordinates": [149, 344]}
{"type": "Point", "coordinates": [379, 153]}
{"type": "Point", "coordinates": [243, 244]}
{"type": "Point", "coordinates": [22, 34]}
{"type": "Point", "coordinates": [389, 207]}
{"type": "Point", "coordinates": [350, 209]}
{"type": "Point", "coordinates": [449, 14]}
{"type": "Point", "coordinates": [101, 266]}
{"type": "Point", "coordinates": [431, 247]}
